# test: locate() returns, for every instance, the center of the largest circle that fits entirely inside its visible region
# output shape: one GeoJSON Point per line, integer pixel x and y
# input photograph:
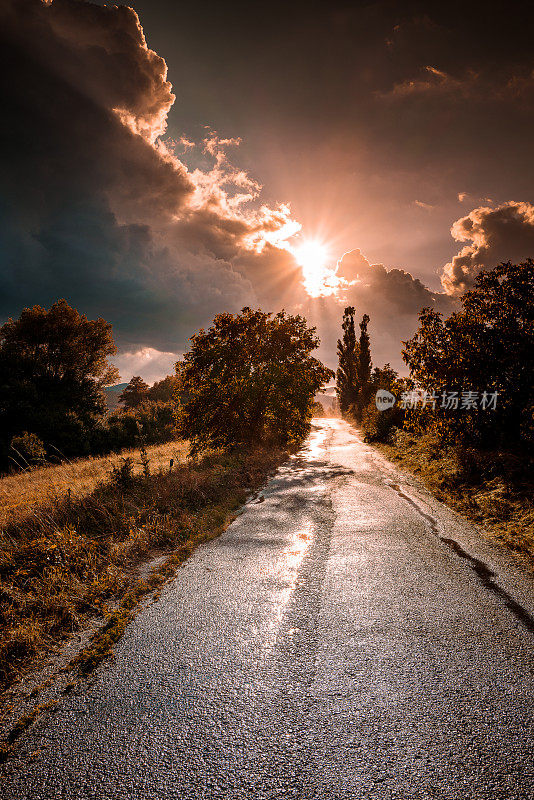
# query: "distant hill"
{"type": "Point", "coordinates": [112, 395]}
{"type": "Point", "coordinates": [327, 397]}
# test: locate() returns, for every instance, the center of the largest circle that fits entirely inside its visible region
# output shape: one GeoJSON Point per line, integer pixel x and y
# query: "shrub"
{"type": "Point", "coordinates": [381, 426]}
{"type": "Point", "coordinates": [29, 448]}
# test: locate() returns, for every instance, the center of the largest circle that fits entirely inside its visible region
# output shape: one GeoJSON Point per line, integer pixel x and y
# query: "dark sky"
{"type": "Point", "coordinates": [315, 91]}
{"type": "Point", "coordinates": [381, 124]}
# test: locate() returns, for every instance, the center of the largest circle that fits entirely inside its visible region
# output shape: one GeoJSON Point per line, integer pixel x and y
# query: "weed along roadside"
{"type": "Point", "coordinates": [23, 492]}
{"type": "Point", "coordinates": [84, 558]}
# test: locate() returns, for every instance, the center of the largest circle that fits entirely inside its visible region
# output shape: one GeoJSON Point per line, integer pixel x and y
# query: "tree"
{"type": "Point", "coordinates": [347, 381]}
{"type": "Point", "coordinates": [379, 424]}
{"type": "Point", "coordinates": [54, 367]}
{"type": "Point", "coordinates": [249, 379]}
{"type": "Point", "coordinates": [364, 366]}
{"type": "Point", "coordinates": [134, 393]}
{"type": "Point", "coordinates": [353, 375]}
{"type": "Point", "coordinates": [486, 347]}
{"type": "Point", "coordinates": [164, 390]}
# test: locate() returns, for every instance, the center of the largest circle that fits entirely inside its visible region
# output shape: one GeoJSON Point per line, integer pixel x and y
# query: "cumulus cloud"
{"type": "Point", "coordinates": [395, 288]}
{"type": "Point", "coordinates": [100, 207]}
{"type": "Point", "coordinates": [504, 233]}
{"type": "Point", "coordinates": [150, 363]}
{"type": "Point", "coordinates": [391, 297]}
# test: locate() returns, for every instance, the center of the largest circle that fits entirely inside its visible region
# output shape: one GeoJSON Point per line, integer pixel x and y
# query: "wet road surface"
{"type": "Point", "coordinates": [347, 637]}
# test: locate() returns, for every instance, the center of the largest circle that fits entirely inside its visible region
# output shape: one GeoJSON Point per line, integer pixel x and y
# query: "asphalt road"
{"type": "Point", "coordinates": [347, 637]}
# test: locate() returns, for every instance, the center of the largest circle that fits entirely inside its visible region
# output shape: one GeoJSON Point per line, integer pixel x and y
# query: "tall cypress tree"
{"type": "Point", "coordinates": [347, 381]}
{"type": "Point", "coordinates": [364, 366]}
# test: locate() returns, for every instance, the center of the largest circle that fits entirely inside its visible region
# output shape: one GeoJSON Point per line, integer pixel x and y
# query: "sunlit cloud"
{"type": "Point", "coordinates": [164, 231]}
{"type": "Point", "coordinates": [152, 364]}
{"type": "Point", "coordinates": [503, 233]}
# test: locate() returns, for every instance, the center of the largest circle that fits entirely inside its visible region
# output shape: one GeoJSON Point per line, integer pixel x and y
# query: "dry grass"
{"type": "Point", "coordinates": [494, 488]}
{"type": "Point", "coordinates": [74, 557]}
{"type": "Point", "coordinates": [24, 491]}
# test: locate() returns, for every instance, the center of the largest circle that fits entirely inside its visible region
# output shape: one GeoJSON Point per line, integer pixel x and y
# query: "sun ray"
{"type": "Point", "coordinates": [313, 257]}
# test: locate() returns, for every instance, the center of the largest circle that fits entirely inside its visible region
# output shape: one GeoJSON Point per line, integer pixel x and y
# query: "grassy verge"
{"type": "Point", "coordinates": [75, 558]}
{"type": "Point", "coordinates": [493, 488]}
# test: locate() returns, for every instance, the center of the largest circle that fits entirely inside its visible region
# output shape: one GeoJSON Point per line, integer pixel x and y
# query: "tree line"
{"type": "Point", "coordinates": [250, 378]}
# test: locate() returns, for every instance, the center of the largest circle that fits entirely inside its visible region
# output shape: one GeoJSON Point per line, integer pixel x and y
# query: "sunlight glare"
{"type": "Point", "coordinates": [319, 279]}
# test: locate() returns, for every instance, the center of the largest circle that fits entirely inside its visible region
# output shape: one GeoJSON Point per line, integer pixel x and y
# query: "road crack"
{"type": "Point", "coordinates": [485, 575]}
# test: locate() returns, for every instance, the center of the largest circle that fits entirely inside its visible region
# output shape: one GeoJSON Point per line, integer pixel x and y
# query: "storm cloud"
{"type": "Point", "coordinates": [504, 233]}
{"type": "Point", "coordinates": [108, 202]}
{"type": "Point", "coordinates": [97, 206]}
{"type": "Point", "coordinates": [391, 297]}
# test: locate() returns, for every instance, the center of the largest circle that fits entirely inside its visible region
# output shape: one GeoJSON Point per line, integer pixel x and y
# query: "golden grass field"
{"type": "Point", "coordinates": [24, 491]}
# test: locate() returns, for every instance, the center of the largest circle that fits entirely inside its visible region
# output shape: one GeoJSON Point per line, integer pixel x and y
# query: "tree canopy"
{"type": "Point", "coordinates": [164, 390]}
{"type": "Point", "coordinates": [54, 367]}
{"type": "Point", "coordinates": [250, 378]}
{"type": "Point", "coordinates": [487, 346]}
{"type": "Point", "coordinates": [134, 393]}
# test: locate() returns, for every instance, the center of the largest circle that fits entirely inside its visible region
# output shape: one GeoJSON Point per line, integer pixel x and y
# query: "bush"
{"type": "Point", "coordinates": [29, 448]}
{"type": "Point", "coordinates": [380, 426]}
{"type": "Point", "coordinates": [152, 423]}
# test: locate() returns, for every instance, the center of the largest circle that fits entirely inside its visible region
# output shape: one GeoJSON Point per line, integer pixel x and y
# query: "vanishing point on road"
{"type": "Point", "coordinates": [348, 636]}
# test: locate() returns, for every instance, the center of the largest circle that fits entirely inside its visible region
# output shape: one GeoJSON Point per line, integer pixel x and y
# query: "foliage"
{"type": "Point", "coordinates": [122, 475]}
{"type": "Point", "coordinates": [54, 367]}
{"type": "Point", "coordinates": [152, 423]}
{"type": "Point", "coordinates": [28, 448]}
{"type": "Point", "coordinates": [347, 380]}
{"type": "Point", "coordinates": [487, 346]}
{"type": "Point", "coordinates": [249, 378]}
{"type": "Point", "coordinates": [134, 393]}
{"type": "Point", "coordinates": [145, 461]}
{"type": "Point", "coordinates": [380, 425]}
{"type": "Point", "coordinates": [163, 391]}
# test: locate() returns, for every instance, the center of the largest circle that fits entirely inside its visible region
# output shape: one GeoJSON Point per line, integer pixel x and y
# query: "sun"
{"type": "Point", "coordinates": [313, 257]}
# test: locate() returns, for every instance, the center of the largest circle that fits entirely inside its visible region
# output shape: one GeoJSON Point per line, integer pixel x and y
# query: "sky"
{"type": "Point", "coordinates": [165, 162]}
